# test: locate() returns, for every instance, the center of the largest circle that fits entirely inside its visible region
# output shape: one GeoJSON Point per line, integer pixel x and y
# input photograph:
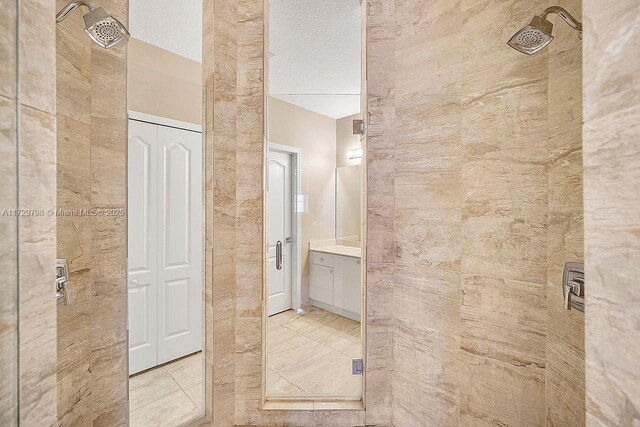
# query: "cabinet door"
{"type": "Point", "coordinates": [346, 288]}
{"type": "Point", "coordinates": [321, 284]}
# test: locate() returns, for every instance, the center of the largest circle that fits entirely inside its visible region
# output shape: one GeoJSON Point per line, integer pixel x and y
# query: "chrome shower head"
{"type": "Point", "coordinates": [537, 35]}
{"type": "Point", "coordinates": [532, 38]}
{"type": "Point", "coordinates": [101, 27]}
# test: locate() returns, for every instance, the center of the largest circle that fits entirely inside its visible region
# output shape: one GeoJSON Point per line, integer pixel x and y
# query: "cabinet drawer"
{"type": "Point", "coordinates": [320, 258]}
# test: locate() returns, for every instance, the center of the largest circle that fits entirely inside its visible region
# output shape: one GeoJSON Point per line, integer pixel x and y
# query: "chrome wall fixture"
{"type": "Point", "coordinates": [537, 35]}
{"type": "Point", "coordinates": [63, 290]}
{"type": "Point", "coordinates": [101, 27]}
{"type": "Point", "coordinates": [573, 286]}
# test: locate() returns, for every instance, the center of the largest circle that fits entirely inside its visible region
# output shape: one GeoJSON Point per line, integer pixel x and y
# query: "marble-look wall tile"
{"type": "Point", "coordinates": [565, 242]}
{"type": "Point", "coordinates": [37, 315]}
{"type": "Point", "coordinates": [37, 55]}
{"type": "Point", "coordinates": [29, 181]}
{"type": "Point", "coordinates": [36, 190]}
{"type": "Point", "coordinates": [219, 85]}
{"type": "Point", "coordinates": [503, 334]}
{"type": "Point", "coordinates": [427, 223]}
{"type": "Point", "coordinates": [612, 208]}
{"type": "Point", "coordinates": [9, 224]}
{"type": "Point", "coordinates": [91, 171]}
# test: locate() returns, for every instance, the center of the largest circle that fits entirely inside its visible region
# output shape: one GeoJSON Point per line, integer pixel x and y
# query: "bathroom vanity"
{"type": "Point", "coordinates": [334, 281]}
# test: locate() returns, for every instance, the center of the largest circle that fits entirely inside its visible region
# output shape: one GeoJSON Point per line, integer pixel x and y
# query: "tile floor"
{"type": "Point", "coordinates": [310, 355]}
{"type": "Point", "coordinates": [167, 395]}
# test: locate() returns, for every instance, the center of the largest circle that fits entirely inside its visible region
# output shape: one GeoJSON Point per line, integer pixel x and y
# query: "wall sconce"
{"type": "Point", "coordinates": [354, 154]}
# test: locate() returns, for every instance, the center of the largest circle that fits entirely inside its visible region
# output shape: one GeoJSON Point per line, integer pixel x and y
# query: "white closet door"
{"type": "Point", "coordinates": [143, 231]}
{"type": "Point", "coordinates": [179, 243]}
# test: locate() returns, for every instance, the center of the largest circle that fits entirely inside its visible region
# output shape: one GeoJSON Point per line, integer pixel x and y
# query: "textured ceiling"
{"type": "Point", "coordinates": [173, 25]}
{"type": "Point", "coordinates": [315, 54]}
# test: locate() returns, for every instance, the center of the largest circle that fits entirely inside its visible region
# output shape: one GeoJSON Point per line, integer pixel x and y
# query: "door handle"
{"type": "Point", "coordinates": [279, 255]}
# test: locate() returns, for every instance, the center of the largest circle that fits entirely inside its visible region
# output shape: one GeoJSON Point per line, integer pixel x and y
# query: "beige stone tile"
{"type": "Point", "coordinates": [150, 386]}
{"type": "Point", "coordinates": [278, 386]}
{"type": "Point", "coordinates": [37, 348]}
{"type": "Point", "coordinates": [512, 394]}
{"type": "Point", "coordinates": [196, 394]}
{"type": "Point", "coordinates": [429, 238]}
{"type": "Point", "coordinates": [109, 373]}
{"type": "Point", "coordinates": [504, 320]}
{"type": "Point", "coordinates": [507, 242]}
{"type": "Point", "coordinates": [172, 410]}
{"type": "Point", "coordinates": [37, 55]}
{"type": "Point", "coordinates": [74, 389]}
{"type": "Point", "coordinates": [565, 381]}
{"type": "Point", "coordinates": [73, 75]}
{"type": "Point", "coordinates": [187, 371]}
{"type": "Point", "coordinates": [426, 374]}
{"type": "Point", "coordinates": [8, 51]}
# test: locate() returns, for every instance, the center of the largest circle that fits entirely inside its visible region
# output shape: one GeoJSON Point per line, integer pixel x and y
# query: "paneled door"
{"type": "Point", "coordinates": [179, 243]}
{"type": "Point", "coordinates": [143, 242]}
{"type": "Point", "coordinates": [165, 244]}
{"type": "Point", "coordinates": [279, 233]}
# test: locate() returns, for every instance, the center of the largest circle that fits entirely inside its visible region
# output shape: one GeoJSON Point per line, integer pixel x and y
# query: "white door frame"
{"type": "Point", "coordinates": [296, 250]}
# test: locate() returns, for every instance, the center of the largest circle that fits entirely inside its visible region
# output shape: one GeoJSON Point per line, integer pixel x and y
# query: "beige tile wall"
{"type": "Point", "coordinates": [8, 224]}
{"type": "Point", "coordinates": [564, 374]}
{"type": "Point", "coordinates": [487, 152]}
{"type": "Point", "coordinates": [91, 174]}
{"type": "Point", "coordinates": [234, 97]}
{"type": "Point", "coordinates": [36, 190]}
{"type": "Point", "coordinates": [612, 209]}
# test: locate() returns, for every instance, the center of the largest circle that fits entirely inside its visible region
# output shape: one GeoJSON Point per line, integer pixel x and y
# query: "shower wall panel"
{"type": "Point", "coordinates": [474, 167]}
{"type": "Point", "coordinates": [612, 211]}
{"type": "Point", "coordinates": [565, 328]}
{"type": "Point", "coordinates": [36, 231]}
{"type": "Point", "coordinates": [91, 171]}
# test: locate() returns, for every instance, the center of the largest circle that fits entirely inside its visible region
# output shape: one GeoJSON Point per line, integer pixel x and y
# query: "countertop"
{"type": "Point", "coordinates": [350, 251]}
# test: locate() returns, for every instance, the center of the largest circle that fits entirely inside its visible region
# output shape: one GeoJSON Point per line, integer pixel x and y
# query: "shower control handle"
{"type": "Point", "coordinates": [279, 255]}
{"type": "Point", "coordinates": [63, 290]}
{"type": "Point", "coordinates": [573, 288]}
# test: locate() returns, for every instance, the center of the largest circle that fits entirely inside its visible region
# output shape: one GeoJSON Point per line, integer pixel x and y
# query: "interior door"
{"type": "Point", "coordinates": [179, 243]}
{"type": "Point", "coordinates": [279, 233]}
{"type": "Point", "coordinates": [142, 242]}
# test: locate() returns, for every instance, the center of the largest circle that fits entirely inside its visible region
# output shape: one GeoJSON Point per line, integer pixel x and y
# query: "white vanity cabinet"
{"type": "Point", "coordinates": [334, 283]}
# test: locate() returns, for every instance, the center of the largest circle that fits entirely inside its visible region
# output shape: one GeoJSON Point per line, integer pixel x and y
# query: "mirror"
{"type": "Point", "coordinates": [313, 211]}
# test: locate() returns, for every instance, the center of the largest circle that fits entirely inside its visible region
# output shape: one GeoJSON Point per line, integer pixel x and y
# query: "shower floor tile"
{"type": "Point", "coordinates": [168, 394]}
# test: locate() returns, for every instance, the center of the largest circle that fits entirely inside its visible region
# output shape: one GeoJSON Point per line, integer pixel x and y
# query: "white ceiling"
{"type": "Point", "coordinates": [314, 50]}
{"type": "Point", "coordinates": [173, 25]}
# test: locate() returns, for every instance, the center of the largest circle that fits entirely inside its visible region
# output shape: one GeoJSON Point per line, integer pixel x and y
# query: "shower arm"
{"type": "Point", "coordinates": [73, 5]}
{"type": "Point", "coordinates": [566, 16]}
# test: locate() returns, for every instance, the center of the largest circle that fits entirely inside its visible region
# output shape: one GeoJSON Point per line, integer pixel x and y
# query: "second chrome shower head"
{"type": "Point", "coordinates": [537, 35]}
{"type": "Point", "coordinates": [101, 27]}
